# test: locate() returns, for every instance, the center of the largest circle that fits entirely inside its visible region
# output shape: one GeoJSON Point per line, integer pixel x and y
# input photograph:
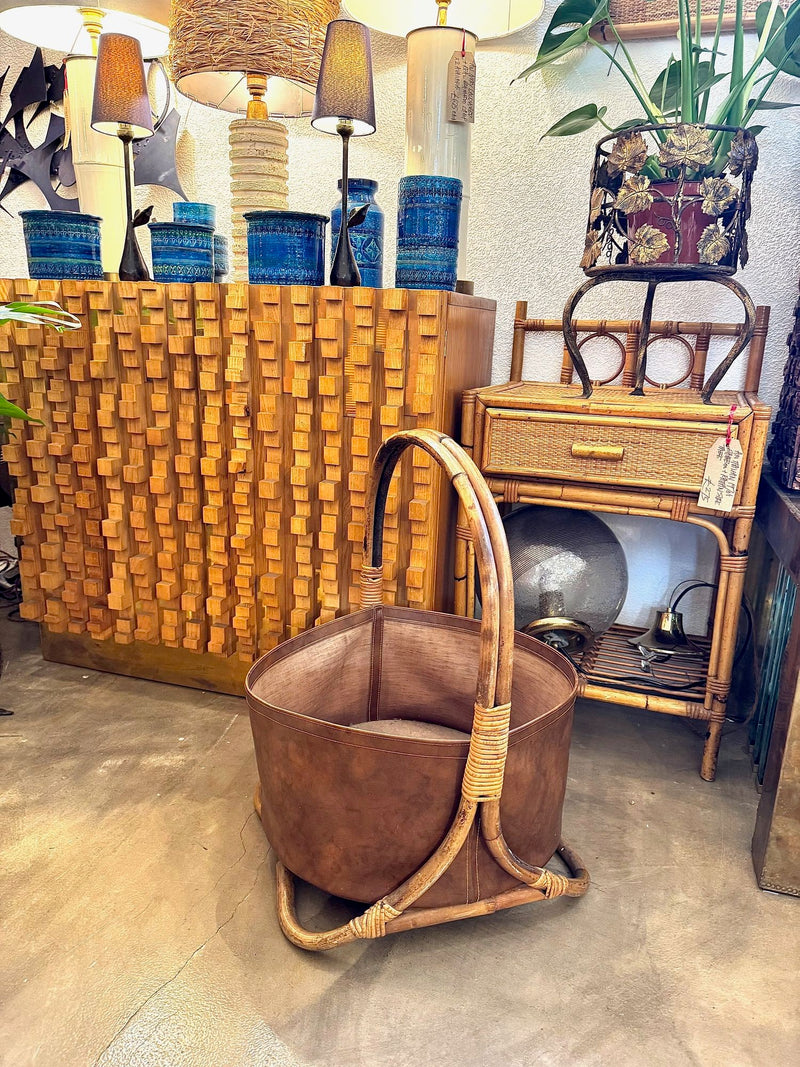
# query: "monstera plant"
{"type": "Point", "coordinates": [671, 185]}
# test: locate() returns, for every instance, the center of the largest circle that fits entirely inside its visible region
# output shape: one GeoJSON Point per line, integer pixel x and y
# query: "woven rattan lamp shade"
{"type": "Point", "coordinates": [277, 38]}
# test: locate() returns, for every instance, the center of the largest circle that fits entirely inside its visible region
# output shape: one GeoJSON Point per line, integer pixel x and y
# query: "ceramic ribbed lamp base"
{"type": "Point", "coordinates": [259, 178]}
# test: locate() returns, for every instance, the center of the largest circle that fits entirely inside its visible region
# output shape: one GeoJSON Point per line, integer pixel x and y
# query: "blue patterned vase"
{"type": "Point", "coordinates": [62, 244]}
{"type": "Point", "coordinates": [221, 257]}
{"type": "Point", "coordinates": [286, 247]}
{"type": "Point", "coordinates": [196, 214]}
{"type": "Point", "coordinates": [182, 252]}
{"type": "Point", "coordinates": [429, 213]}
{"type": "Point", "coordinates": [367, 239]}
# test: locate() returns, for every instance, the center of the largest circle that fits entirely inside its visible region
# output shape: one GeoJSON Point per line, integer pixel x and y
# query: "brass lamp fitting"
{"type": "Point", "coordinates": [93, 24]}
{"type": "Point", "coordinates": [442, 5]}
{"type": "Point", "coordinates": [257, 105]}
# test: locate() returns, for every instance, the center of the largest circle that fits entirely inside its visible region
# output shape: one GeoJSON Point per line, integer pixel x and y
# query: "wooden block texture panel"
{"type": "Point", "coordinates": [199, 478]}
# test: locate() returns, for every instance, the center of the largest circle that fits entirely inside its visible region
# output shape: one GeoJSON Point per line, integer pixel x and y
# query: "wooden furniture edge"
{"type": "Point", "coordinates": [155, 663]}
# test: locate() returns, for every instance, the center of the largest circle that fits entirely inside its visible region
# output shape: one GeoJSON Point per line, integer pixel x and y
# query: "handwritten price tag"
{"type": "Point", "coordinates": [721, 475]}
{"type": "Point", "coordinates": [461, 87]}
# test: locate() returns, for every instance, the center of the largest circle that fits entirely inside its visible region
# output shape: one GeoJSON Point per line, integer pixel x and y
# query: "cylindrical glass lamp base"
{"type": "Point", "coordinates": [433, 144]}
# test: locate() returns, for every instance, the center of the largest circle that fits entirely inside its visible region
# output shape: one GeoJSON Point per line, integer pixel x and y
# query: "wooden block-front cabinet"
{"type": "Point", "coordinates": [196, 490]}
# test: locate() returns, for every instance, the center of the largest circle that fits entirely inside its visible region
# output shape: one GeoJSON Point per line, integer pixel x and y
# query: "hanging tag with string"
{"type": "Point", "coordinates": [461, 84]}
{"type": "Point", "coordinates": [723, 466]}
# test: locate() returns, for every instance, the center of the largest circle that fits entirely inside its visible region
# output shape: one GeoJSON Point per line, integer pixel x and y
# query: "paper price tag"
{"type": "Point", "coordinates": [721, 475]}
{"type": "Point", "coordinates": [461, 87]}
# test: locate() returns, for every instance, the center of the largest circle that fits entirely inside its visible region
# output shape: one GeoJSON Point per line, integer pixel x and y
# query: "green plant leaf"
{"type": "Point", "coordinates": [784, 37]}
{"type": "Point", "coordinates": [628, 124]}
{"type": "Point", "coordinates": [582, 118]}
{"type": "Point", "coordinates": [11, 411]}
{"type": "Point", "coordinates": [569, 28]}
{"type": "Point", "coordinates": [666, 89]}
{"type": "Point", "coordinates": [668, 84]}
{"type": "Point", "coordinates": [770, 105]}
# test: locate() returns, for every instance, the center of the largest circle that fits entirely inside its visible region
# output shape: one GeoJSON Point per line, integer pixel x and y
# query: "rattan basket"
{"type": "Point", "coordinates": [386, 739]}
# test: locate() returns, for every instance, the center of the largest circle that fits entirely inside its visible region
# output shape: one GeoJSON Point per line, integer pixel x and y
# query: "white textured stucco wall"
{"type": "Point", "coordinates": [528, 214]}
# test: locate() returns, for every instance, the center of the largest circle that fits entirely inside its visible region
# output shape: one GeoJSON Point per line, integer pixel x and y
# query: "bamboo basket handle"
{"type": "Point", "coordinates": [483, 776]}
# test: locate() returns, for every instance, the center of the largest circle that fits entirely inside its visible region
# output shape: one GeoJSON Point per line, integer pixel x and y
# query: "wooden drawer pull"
{"type": "Point", "coordinates": [586, 451]}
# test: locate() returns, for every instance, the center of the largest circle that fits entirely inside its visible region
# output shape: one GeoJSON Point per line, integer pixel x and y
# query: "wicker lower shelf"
{"type": "Point", "coordinates": [612, 662]}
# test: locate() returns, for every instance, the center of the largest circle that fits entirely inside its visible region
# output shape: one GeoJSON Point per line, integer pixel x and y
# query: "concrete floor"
{"type": "Point", "coordinates": [138, 921]}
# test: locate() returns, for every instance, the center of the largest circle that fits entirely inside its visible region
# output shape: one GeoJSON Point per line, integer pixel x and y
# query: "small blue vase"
{"type": "Point", "coordinates": [367, 239]}
{"type": "Point", "coordinates": [221, 257]}
{"type": "Point", "coordinates": [195, 214]}
{"type": "Point", "coordinates": [182, 252]}
{"type": "Point", "coordinates": [62, 244]}
{"type": "Point", "coordinates": [286, 247]}
{"type": "Point", "coordinates": [429, 212]}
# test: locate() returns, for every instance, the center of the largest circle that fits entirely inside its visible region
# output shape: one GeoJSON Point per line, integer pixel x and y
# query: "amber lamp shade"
{"type": "Point", "coordinates": [345, 104]}
{"type": "Point", "coordinates": [121, 108]}
{"type": "Point", "coordinates": [120, 91]}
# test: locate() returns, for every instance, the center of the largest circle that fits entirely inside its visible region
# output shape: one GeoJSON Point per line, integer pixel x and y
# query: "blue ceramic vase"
{"type": "Point", "coordinates": [182, 252]}
{"type": "Point", "coordinates": [221, 257]}
{"type": "Point", "coordinates": [286, 247]}
{"type": "Point", "coordinates": [195, 214]}
{"type": "Point", "coordinates": [62, 244]}
{"type": "Point", "coordinates": [429, 212]}
{"type": "Point", "coordinates": [367, 239]}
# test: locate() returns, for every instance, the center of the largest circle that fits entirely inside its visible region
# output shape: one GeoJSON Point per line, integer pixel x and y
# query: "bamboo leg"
{"type": "Point", "coordinates": [720, 686]}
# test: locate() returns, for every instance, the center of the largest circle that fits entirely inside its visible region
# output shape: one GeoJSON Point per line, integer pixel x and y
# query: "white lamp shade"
{"type": "Point", "coordinates": [228, 92]}
{"type": "Point", "coordinates": [485, 18]}
{"type": "Point", "coordinates": [58, 24]}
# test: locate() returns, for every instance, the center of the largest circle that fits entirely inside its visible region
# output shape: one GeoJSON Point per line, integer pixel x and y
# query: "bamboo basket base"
{"type": "Point", "coordinates": [418, 918]}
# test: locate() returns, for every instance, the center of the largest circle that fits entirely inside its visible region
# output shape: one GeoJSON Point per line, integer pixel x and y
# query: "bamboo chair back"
{"type": "Point", "coordinates": [695, 337]}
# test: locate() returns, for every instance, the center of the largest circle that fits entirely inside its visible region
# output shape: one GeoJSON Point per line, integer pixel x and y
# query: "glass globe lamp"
{"type": "Point", "coordinates": [570, 575]}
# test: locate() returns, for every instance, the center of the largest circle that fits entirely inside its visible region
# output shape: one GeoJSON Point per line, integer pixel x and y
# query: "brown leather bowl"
{"type": "Point", "coordinates": [356, 812]}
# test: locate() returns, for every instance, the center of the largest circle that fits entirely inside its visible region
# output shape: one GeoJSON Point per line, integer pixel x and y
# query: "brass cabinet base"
{"type": "Point", "coordinates": [157, 663]}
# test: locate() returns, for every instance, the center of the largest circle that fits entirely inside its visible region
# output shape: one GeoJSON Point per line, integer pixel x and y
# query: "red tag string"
{"type": "Point", "coordinates": [463, 43]}
{"type": "Point", "coordinates": [731, 413]}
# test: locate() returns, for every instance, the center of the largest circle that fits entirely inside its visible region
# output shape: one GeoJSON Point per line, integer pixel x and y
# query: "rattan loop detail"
{"type": "Point", "coordinates": [486, 763]}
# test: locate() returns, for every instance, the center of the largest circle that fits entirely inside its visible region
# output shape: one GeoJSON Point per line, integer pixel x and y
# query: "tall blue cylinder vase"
{"type": "Point", "coordinates": [62, 244]}
{"type": "Point", "coordinates": [367, 239]}
{"type": "Point", "coordinates": [429, 212]}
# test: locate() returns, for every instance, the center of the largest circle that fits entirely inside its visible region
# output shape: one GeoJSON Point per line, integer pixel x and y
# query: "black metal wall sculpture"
{"type": "Point", "coordinates": [48, 165]}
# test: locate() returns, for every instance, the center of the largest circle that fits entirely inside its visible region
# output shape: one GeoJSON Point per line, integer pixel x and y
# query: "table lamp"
{"type": "Point", "coordinates": [67, 26]}
{"type": "Point", "coordinates": [487, 19]}
{"type": "Point", "coordinates": [122, 109]}
{"type": "Point", "coordinates": [74, 28]}
{"type": "Point", "coordinates": [345, 105]}
{"type": "Point", "coordinates": [243, 56]}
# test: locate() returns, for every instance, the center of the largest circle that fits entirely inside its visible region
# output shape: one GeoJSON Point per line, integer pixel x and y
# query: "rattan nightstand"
{"type": "Point", "coordinates": [542, 443]}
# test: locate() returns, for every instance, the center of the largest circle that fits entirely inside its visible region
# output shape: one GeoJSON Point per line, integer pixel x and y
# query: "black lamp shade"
{"type": "Point", "coordinates": [344, 89]}
{"type": "Point", "coordinates": [120, 89]}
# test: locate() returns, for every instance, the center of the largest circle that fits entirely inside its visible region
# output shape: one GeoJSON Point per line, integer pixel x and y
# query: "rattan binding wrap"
{"type": "Point", "coordinates": [280, 38]}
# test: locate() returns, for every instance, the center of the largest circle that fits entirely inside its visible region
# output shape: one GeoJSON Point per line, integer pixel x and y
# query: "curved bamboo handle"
{"type": "Point", "coordinates": [494, 566]}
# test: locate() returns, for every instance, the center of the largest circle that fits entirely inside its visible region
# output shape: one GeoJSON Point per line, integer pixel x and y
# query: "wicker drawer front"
{"type": "Point", "coordinates": [657, 453]}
